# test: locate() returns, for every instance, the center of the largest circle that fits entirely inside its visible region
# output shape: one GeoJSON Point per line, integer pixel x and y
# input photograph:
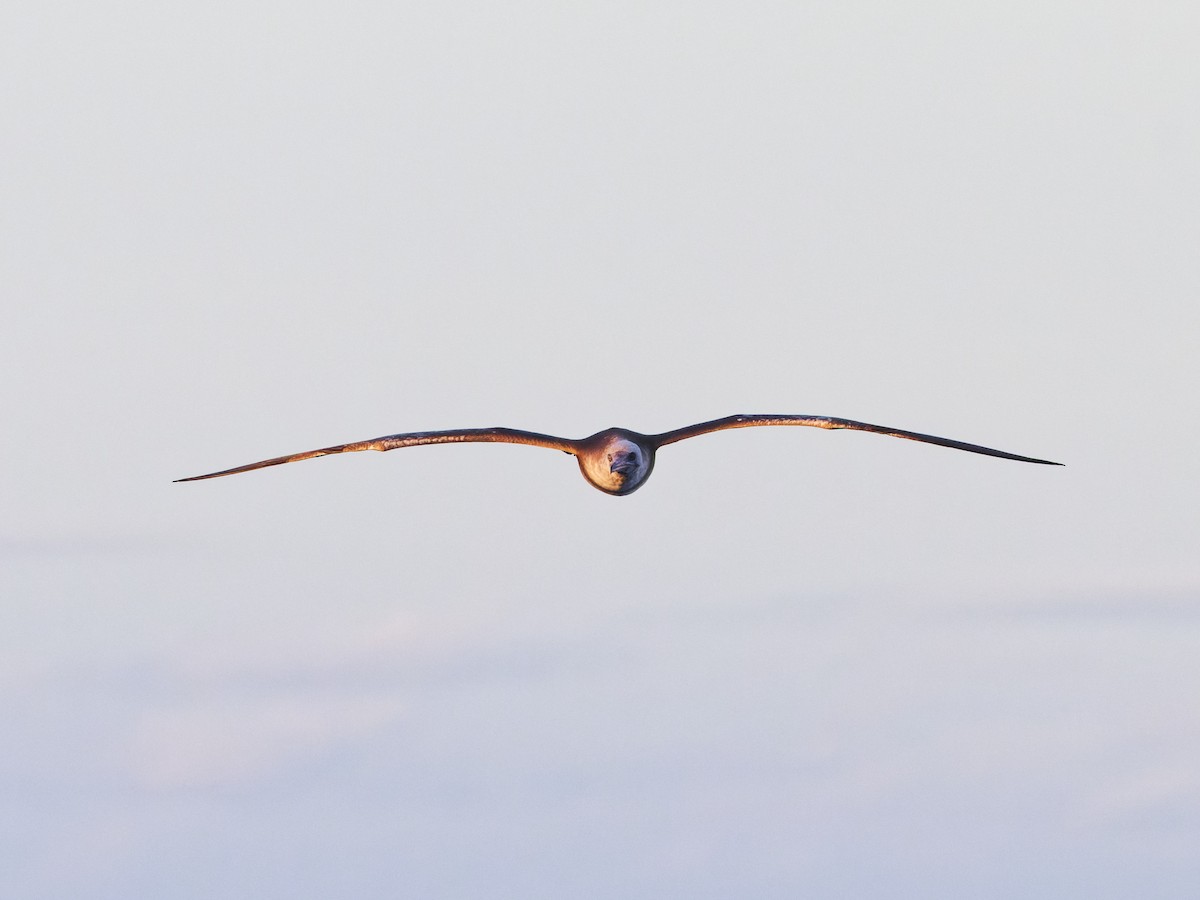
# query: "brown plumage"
{"type": "Point", "coordinates": [616, 461]}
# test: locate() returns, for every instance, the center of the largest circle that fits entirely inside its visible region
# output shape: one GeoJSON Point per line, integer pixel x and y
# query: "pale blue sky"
{"type": "Point", "coordinates": [795, 663]}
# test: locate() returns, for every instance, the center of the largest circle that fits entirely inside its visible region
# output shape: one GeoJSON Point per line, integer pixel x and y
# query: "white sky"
{"type": "Point", "coordinates": [795, 663]}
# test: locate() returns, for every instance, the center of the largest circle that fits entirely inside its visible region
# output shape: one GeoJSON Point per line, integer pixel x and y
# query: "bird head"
{"type": "Point", "coordinates": [624, 459]}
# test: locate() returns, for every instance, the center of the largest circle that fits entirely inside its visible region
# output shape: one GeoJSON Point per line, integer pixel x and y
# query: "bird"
{"type": "Point", "coordinates": [616, 461]}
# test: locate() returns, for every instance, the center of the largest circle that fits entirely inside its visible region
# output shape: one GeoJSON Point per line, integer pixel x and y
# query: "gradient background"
{"type": "Point", "coordinates": [796, 663]}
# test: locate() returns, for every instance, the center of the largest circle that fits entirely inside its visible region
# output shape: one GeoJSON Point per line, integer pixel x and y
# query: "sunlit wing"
{"type": "Point", "coordinates": [828, 422]}
{"type": "Point", "coordinates": [414, 439]}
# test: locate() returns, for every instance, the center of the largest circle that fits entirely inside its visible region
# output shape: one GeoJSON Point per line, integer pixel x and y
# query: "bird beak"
{"type": "Point", "coordinates": [623, 465]}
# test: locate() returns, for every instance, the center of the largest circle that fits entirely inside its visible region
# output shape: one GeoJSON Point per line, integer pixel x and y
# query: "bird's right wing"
{"type": "Point", "coordinates": [413, 439]}
{"type": "Point", "coordinates": [829, 422]}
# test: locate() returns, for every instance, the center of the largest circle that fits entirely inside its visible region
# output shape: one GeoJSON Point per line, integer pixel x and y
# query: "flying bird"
{"type": "Point", "coordinates": [616, 461]}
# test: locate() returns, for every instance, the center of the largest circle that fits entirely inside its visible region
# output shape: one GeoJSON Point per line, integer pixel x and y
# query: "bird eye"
{"type": "Point", "coordinates": [610, 457]}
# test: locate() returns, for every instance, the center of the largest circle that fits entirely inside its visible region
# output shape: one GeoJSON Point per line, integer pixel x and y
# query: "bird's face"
{"type": "Point", "coordinates": [624, 458]}
{"type": "Point", "coordinates": [627, 465]}
{"type": "Point", "coordinates": [618, 467]}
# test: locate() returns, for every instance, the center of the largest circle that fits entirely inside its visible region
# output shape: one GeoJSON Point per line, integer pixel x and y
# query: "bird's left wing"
{"type": "Point", "coordinates": [412, 439]}
{"type": "Point", "coordinates": [828, 422]}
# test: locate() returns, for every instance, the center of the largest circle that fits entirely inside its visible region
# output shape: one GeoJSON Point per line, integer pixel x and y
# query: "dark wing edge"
{"type": "Point", "coordinates": [412, 439]}
{"type": "Point", "coordinates": [828, 422]}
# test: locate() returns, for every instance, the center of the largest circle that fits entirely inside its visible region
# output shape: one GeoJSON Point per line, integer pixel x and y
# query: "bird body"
{"type": "Point", "coordinates": [617, 461]}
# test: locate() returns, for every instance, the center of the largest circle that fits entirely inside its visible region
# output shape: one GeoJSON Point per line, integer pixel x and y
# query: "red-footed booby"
{"type": "Point", "coordinates": [616, 461]}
